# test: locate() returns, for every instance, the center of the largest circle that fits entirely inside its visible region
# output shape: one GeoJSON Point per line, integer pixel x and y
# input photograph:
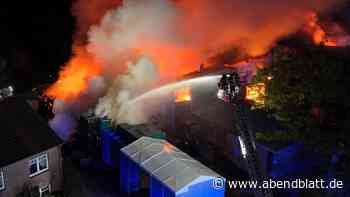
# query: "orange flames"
{"type": "Point", "coordinates": [256, 93]}
{"type": "Point", "coordinates": [200, 28]}
{"type": "Point", "coordinates": [315, 29]}
{"type": "Point", "coordinates": [74, 77]}
{"type": "Point", "coordinates": [319, 35]}
{"type": "Point", "coordinates": [172, 61]}
{"type": "Point", "coordinates": [183, 95]}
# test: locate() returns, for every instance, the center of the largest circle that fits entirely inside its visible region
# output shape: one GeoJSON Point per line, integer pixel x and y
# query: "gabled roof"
{"type": "Point", "coordinates": [22, 131]}
{"type": "Point", "coordinates": [167, 163]}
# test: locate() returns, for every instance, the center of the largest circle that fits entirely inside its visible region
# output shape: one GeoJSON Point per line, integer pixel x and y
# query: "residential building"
{"type": "Point", "coordinates": [30, 152]}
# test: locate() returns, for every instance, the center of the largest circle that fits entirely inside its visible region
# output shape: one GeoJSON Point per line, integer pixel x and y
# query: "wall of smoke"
{"type": "Point", "coordinates": [139, 43]}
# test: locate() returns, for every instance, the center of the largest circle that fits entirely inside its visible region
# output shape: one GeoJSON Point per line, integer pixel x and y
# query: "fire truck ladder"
{"type": "Point", "coordinates": [230, 91]}
{"type": "Point", "coordinates": [252, 158]}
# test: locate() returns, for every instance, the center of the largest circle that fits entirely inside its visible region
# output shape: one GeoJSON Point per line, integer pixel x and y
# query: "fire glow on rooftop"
{"type": "Point", "coordinates": [183, 95]}
{"type": "Point", "coordinates": [332, 35]}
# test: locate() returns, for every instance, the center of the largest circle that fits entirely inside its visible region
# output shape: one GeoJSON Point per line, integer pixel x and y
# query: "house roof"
{"type": "Point", "coordinates": [23, 131]}
{"type": "Point", "coordinates": [168, 164]}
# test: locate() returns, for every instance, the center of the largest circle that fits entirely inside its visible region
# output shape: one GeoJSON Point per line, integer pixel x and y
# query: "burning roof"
{"type": "Point", "coordinates": [175, 37]}
{"type": "Point", "coordinates": [328, 34]}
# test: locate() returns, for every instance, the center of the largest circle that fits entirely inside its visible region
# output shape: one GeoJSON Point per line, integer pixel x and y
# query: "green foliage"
{"type": "Point", "coordinates": [310, 93]}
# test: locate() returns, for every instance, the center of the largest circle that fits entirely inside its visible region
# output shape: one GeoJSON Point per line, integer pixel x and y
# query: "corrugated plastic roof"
{"type": "Point", "coordinates": [167, 163]}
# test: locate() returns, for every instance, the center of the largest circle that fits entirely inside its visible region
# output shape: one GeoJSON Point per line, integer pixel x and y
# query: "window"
{"type": "Point", "coordinates": [183, 95]}
{"type": "Point", "coordinates": [38, 165]}
{"type": "Point", "coordinates": [44, 191]}
{"type": "Point", "coordinates": [2, 182]}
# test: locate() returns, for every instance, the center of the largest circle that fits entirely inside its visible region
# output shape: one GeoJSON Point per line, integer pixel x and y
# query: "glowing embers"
{"type": "Point", "coordinates": [183, 95]}
{"type": "Point", "coordinates": [256, 93]}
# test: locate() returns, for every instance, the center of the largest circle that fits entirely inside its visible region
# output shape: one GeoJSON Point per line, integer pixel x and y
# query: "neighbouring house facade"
{"type": "Point", "coordinates": [30, 152]}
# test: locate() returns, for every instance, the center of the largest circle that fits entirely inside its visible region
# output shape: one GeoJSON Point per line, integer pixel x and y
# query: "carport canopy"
{"type": "Point", "coordinates": [169, 165]}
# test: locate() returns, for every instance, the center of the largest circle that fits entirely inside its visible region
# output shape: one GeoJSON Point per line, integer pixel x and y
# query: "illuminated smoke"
{"type": "Point", "coordinates": [64, 122]}
{"type": "Point", "coordinates": [176, 36]}
{"type": "Point", "coordinates": [74, 77]}
{"type": "Point", "coordinates": [140, 76]}
{"type": "Point", "coordinates": [179, 35]}
{"type": "Point", "coordinates": [88, 13]}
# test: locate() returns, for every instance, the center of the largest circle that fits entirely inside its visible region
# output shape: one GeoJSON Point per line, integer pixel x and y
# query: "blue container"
{"type": "Point", "coordinates": [111, 144]}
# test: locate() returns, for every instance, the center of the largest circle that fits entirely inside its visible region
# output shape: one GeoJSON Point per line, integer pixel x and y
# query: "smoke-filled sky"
{"type": "Point", "coordinates": [178, 35]}
{"type": "Point", "coordinates": [168, 37]}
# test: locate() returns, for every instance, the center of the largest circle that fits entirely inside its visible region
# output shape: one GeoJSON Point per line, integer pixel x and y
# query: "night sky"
{"type": "Point", "coordinates": [36, 39]}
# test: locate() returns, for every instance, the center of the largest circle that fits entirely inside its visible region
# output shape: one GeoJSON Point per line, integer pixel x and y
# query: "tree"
{"type": "Point", "coordinates": [310, 94]}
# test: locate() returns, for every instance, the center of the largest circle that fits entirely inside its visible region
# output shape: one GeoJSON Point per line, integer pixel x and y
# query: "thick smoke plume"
{"type": "Point", "coordinates": [179, 35]}
{"type": "Point", "coordinates": [88, 13]}
{"type": "Point", "coordinates": [67, 112]}
{"type": "Point", "coordinates": [115, 104]}
{"type": "Point", "coordinates": [254, 25]}
{"type": "Point", "coordinates": [174, 36]}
